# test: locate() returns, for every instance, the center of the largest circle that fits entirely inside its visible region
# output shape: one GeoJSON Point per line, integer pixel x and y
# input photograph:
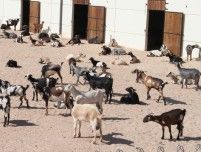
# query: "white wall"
{"type": "Point", "coordinates": [10, 9]}
{"type": "Point", "coordinates": [125, 21]}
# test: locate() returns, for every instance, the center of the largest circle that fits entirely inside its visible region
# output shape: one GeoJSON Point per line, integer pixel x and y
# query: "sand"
{"type": "Point", "coordinates": [123, 129]}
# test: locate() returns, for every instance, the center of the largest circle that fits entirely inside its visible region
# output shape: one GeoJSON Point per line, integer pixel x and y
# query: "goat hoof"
{"type": "Point", "coordinates": [162, 137]}
{"type": "Point", "coordinates": [93, 142]}
{"type": "Point", "coordinates": [79, 135]}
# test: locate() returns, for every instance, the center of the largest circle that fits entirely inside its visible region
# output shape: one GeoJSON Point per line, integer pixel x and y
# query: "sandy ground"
{"type": "Point", "coordinates": [30, 130]}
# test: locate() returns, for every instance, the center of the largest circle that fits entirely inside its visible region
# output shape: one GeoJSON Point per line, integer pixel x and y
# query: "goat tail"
{"type": "Point", "coordinates": [163, 85]}
{"type": "Point", "coordinates": [62, 63]}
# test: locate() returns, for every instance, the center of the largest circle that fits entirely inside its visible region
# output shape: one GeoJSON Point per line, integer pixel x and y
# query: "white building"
{"type": "Point", "coordinates": [139, 24]}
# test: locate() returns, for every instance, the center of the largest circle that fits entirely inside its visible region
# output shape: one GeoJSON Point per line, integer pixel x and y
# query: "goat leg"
{"type": "Point", "coordinates": [8, 119]}
{"type": "Point", "coordinates": [59, 74]}
{"type": "Point", "coordinates": [110, 97]}
{"type": "Point", "coordinates": [163, 130]}
{"type": "Point", "coordinates": [25, 98]}
{"type": "Point", "coordinates": [5, 120]}
{"type": "Point", "coordinates": [148, 95]}
{"type": "Point", "coordinates": [75, 127]}
{"type": "Point", "coordinates": [79, 129]}
{"type": "Point", "coordinates": [21, 101]}
{"type": "Point", "coordinates": [169, 127]}
{"type": "Point", "coordinates": [101, 134]}
{"type": "Point", "coordinates": [46, 107]}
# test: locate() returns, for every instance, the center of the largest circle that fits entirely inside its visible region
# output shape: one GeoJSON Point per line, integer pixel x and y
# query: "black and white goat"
{"type": "Point", "coordinates": [13, 22]}
{"type": "Point", "coordinates": [14, 90]}
{"type": "Point", "coordinates": [43, 87]}
{"type": "Point", "coordinates": [189, 50]}
{"type": "Point", "coordinates": [5, 106]}
{"type": "Point", "coordinates": [131, 97]}
{"type": "Point", "coordinates": [173, 117]}
{"type": "Point", "coordinates": [174, 59]}
{"type": "Point", "coordinates": [97, 63]}
{"type": "Point", "coordinates": [105, 83]}
{"type": "Point", "coordinates": [75, 40]}
{"type": "Point", "coordinates": [56, 42]}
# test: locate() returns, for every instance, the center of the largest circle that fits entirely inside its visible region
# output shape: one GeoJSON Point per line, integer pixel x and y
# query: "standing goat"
{"type": "Point", "coordinates": [189, 74]}
{"type": "Point", "coordinates": [5, 106]}
{"type": "Point", "coordinates": [14, 22]}
{"type": "Point", "coordinates": [50, 69]}
{"type": "Point", "coordinates": [173, 117]}
{"type": "Point", "coordinates": [151, 82]}
{"type": "Point", "coordinates": [38, 27]}
{"type": "Point", "coordinates": [189, 49]}
{"type": "Point", "coordinates": [90, 113]}
{"type": "Point", "coordinates": [14, 90]}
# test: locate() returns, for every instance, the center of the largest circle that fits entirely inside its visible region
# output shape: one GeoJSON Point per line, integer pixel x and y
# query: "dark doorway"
{"type": "Point", "coordinates": [80, 20]}
{"type": "Point", "coordinates": [25, 12]}
{"type": "Point", "coordinates": [155, 29]}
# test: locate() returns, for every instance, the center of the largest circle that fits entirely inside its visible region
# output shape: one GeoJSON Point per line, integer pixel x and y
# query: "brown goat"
{"type": "Point", "coordinates": [38, 27]}
{"type": "Point", "coordinates": [151, 82]}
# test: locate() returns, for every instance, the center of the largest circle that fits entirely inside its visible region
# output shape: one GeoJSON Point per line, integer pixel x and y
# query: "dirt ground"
{"type": "Point", "coordinates": [123, 129]}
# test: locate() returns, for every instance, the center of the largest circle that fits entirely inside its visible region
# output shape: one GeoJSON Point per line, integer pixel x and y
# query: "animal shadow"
{"type": "Point", "coordinates": [173, 101]}
{"type": "Point", "coordinates": [190, 139]}
{"type": "Point", "coordinates": [115, 118]}
{"type": "Point", "coordinates": [18, 123]}
{"type": "Point", "coordinates": [115, 138]}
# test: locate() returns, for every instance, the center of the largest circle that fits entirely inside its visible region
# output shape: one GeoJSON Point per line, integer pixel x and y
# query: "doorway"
{"type": "Point", "coordinates": [155, 28]}
{"type": "Point", "coordinates": [80, 20]}
{"type": "Point", "coordinates": [25, 12]}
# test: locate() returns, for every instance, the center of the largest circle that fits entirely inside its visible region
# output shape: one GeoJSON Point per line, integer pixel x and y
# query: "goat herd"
{"type": "Point", "coordinates": [87, 106]}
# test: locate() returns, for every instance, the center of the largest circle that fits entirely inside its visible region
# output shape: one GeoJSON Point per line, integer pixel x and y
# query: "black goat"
{"type": "Point", "coordinates": [13, 22]}
{"type": "Point", "coordinates": [75, 40]}
{"type": "Point", "coordinates": [174, 59]}
{"type": "Point", "coordinates": [44, 37]}
{"type": "Point", "coordinates": [98, 63]}
{"type": "Point", "coordinates": [173, 117]}
{"type": "Point", "coordinates": [106, 50]}
{"type": "Point", "coordinates": [12, 64]}
{"type": "Point", "coordinates": [134, 59]}
{"type": "Point", "coordinates": [131, 97]}
{"type": "Point", "coordinates": [189, 74]}
{"type": "Point", "coordinates": [105, 83]}
{"type": "Point", "coordinates": [5, 106]}
{"type": "Point", "coordinates": [43, 87]}
{"type": "Point", "coordinates": [5, 26]}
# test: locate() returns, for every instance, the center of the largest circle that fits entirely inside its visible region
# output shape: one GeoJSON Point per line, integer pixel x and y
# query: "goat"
{"type": "Point", "coordinates": [44, 60]}
{"type": "Point", "coordinates": [63, 105]}
{"type": "Point", "coordinates": [75, 40]}
{"type": "Point", "coordinates": [189, 73]}
{"type": "Point", "coordinates": [105, 50]}
{"type": "Point", "coordinates": [134, 59]}
{"type": "Point", "coordinates": [174, 77]}
{"type": "Point", "coordinates": [151, 82]}
{"type": "Point", "coordinates": [94, 40]}
{"type": "Point", "coordinates": [189, 49]}
{"type": "Point", "coordinates": [38, 27]}
{"type": "Point", "coordinates": [131, 97]}
{"type": "Point", "coordinates": [5, 106]}
{"type": "Point", "coordinates": [12, 64]}
{"type": "Point", "coordinates": [105, 83]}
{"type": "Point", "coordinates": [43, 87]}
{"type": "Point", "coordinates": [14, 90]}
{"type": "Point", "coordinates": [173, 117]}
{"type": "Point", "coordinates": [46, 30]}
{"type": "Point", "coordinates": [55, 35]}
{"type": "Point", "coordinates": [174, 59]}
{"type": "Point", "coordinates": [118, 51]}
{"type": "Point", "coordinates": [56, 42]}
{"type": "Point", "coordinates": [19, 39]}
{"type": "Point", "coordinates": [50, 69]}
{"type": "Point", "coordinates": [5, 26]}
{"type": "Point", "coordinates": [44, 37]}
{"type": "Point", "coordinates": [90, 113]}
{"type": "Point", "coordinates": [90, 97]}
{"type": "Point", "coordinates": [118, 61]}
{"type": "Point", "coordinates": [14, 22]}
{"type": "Point", "coordinates": [113, 43]}
{"type": "Point", "coordinates": [137, 71]}
{"type": "Point", "coordinates": [9, 35]}
{"type": "Point", "coordinates": [78, 71]}
{"type": "Point", "coordinates": [98, 63]}
{"type": "Point", "coordinates": [25, 31]}
{"type": "Point", "coordinates": [158, 53]}
{"type": "Point", "coordinates": [36, 42]}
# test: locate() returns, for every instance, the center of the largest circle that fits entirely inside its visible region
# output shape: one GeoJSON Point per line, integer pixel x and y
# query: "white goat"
{"type": "Point", "coordinates": [89, 113]}
{"type": "Point", "coordinates": [119, 61]}
{"type": "Point", "coordinates": [90, 97]}
{"type": "Point", "coordinates": [158, 53]}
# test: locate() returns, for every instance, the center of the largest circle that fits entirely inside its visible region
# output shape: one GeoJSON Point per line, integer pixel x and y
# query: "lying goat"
{"type": "Point", "coordinates": [158, 53]}
{"type": "Point", "coordinates": [5, 106]}
{"type": "Point", "coordinates": [105, 83]}
{"type": "Point", "coordinates": [98, 63]}
{"type": "Point", "coordinates": [51, 69]}
{"type": "Point", "coordinates": [131, 97]}
{"type": "Point", "coordinates": [9, 35]}
{"type": "Point", "coordinates": [75, 40]}
{"type": "Point", "coordinates": [14, 90]}
{"type": "Point", "coordinates": [151, 82]}
{"type": "Point", "coordinates": [189, 49]}
{"type": "Point", "coordinates": [43, 87]}
{"type": "Point", "coordinates": [56, 42]}
{"type": "Point", "coordinates": [105, 50]}
{"type": "Point", "coordinates": [12, 64]}
{"type": "Point", "coordinates": [35, 42]}
{"type": "Point", "coordinates": [119, 61]}
{"type": "Point", "coordinates": [174, 77]}
{"type": "Point", "coordinates": [118, 51]}
{"type": "Point", "coordinates": [134, 59]}
{"type": "Point", "coordinates": [5, 26]}
{"type": "Point", "coordinates": [189, 74]}
{"type": "Point", "coordinates": [90, 97]}
{"type": "Point", "coordinates": [90, 113]}
{"type": "Point", "coordinates": [174, 59]}
{"type": "Point", "coordinates": [44, 37]}
{"type": "Point", "coordinates": [44, 60]}
{"type": "Point", "coordinates": [173, 117]}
